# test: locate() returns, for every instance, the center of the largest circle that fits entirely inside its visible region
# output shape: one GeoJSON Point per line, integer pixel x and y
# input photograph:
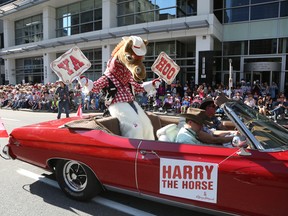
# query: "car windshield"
{"type": "Point", "coordinates": [269, 134]}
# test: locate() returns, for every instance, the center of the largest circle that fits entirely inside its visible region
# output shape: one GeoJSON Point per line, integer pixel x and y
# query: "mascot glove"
{"type": "Point", "coordinates": [149, 88]}
{"type": "Point", "coordinates": [156, 83]}
{"type": "Point", "coordinates": [86, 84]}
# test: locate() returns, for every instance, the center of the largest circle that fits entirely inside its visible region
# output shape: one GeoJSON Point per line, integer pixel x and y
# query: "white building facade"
{"type": "Point", "coordinates": [201, 36]}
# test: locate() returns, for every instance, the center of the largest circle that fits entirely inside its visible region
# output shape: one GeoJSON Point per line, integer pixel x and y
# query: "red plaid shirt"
{"type": "Point", "coordinates": [122, 78]}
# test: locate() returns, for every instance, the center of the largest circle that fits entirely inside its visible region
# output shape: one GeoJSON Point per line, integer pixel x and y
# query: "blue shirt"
{"type": "Point", "coordinates": [187, 135]}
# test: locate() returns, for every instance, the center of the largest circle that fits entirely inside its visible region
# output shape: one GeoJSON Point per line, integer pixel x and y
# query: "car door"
{"type": "Point", "coordinates": [213, 177]}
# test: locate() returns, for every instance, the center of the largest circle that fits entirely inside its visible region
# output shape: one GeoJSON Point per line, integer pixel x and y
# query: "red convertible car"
{"type": "Point", "coordinates": [89, 156]}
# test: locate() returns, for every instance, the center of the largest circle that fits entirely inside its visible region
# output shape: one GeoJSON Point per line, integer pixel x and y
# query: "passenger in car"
{"type": "Point", "coordinates": [193, 124]}
{"type": "Point", "coordinates": [192, 131]}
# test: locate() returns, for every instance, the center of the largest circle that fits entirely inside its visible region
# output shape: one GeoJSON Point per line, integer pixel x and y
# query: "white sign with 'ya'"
{"type": "Point", "coordinates": [70, 65]}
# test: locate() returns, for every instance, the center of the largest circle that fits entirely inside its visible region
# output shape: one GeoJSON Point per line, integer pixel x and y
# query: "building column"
{"type": "Point", "coordinates": [106, 54]}
{"type": "Point", "coordinates": [49, 75]}
{"type": "Point", "coordinates": [204, 7]}
{"type": "Point", "coordinates": [49, 23]}
{"type": "Point", "coordinates": [282, 74]}
{"type": "Point", "coordinates": [9, 33]}
{"type": "Point", "coordinates": [109, 13]}
{"type": "Point", "coordinates": [203, 43]}
{"type": "Point", "coordinates": [10, 71]}
{"type": "Point", "coordinates": [109, 20]}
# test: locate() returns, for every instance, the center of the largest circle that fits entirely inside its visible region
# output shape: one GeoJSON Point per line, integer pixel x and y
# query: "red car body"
{"type": "Point", "coordinates": [241, 181]}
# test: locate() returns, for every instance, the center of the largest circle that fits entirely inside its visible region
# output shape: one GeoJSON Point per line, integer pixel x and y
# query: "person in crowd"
{"type": "Point", "coordinates": [168, 102]}
{"type": "Point", "coordinates": [77, 95]}
{"type": "Point", "coordinates": [273, 90]}
{"type": "Point", "coordinates": [177, 105]}
{"type": "Point", "coordinates": [144, 101]}
{"type": "Point", "coordinates": [279, 107]}
{"type": "Point", "coordinates": [196, 101]}
{"type": "Point", "coordinates": [179, 88]}
{"type": "Point", "coordinates": [261, 105]}
{"type": "Point", "coordinates": [268, 102]}
{"type": "Point", "coordinates": [250, 101]}
{"type": "Point", "coordinates": [238, 92]}
{"type": "Point", "coordinates": [201, 92]}
{"type": "Point", "coordinates": [62, 93]}
{"type": "Point", "coordinates": [256, 88]}
{"type": "Point", "coordinates": [237, 96]}
{"type": "Point", "coordinates": [185, 103]}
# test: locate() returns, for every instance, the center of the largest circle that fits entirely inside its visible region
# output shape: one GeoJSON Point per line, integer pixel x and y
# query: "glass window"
{"type": "Point", "coordinates": [164, 3]}
{"type": "Point", "coordinates": [29, 30]}
{"type": "Point", "coordinates": [87, 17]}
{"type": "Point", "coordinates": [167, 14]}
{"type": "Point", "coordinates": [133, 11]}
{"type": "Point", "coordinates": [29, 69]}
{"type": "Point", "coordinates": [235, 63]}
{"type": "Point", "coordinates": [284, 8]}
{"type": "Point", "coordinates": [235, 3]}
{"type": "Point", "coordinates": [261, 1]}
{"type": "Point", "coordinates": [219, 15]}
{"type": "Point", "coordinates": [125, 8]}
{"type": "Point", "coordinates": [217, 4]}
{"type": "Point", "coordinates": [268, 46]}
{"type": "Point", "coordinates": [236, 14]}
{"type": "Point", "coordinates": [80, 17]}
{"type": "Point", "coordinates": [168, 47]}
{"type": "Point", "coordinates": [283, 45]}
{"type": "Point", "coordinates": [264, 11]}
{"type": "Point", "coordinates": [186, 8]}
{"type": "Point", "coordinates": [235, 48]}
{"type": "Point", "coordinates": [95, 57]}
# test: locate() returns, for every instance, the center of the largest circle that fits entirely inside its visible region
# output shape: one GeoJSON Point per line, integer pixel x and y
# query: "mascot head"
{"type": "Point", "coordinates": [130, 52]}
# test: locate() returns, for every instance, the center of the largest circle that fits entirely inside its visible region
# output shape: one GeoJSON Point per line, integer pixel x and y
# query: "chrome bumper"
{"type": "Point", "coordinates": [5, 151]}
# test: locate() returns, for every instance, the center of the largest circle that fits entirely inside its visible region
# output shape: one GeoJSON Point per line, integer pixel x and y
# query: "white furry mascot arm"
{"type": "Point", "coordinates": [86, 84]}
{"type": "Point", "coordinates": [151, 86]}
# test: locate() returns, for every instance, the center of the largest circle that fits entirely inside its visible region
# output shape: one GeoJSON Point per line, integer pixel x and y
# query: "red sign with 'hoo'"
{"type": "Point", "coordinates": [165, 68]}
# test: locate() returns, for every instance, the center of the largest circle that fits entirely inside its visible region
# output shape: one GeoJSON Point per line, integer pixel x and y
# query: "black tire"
{"type": "Point", "coordinates": [76, 180]}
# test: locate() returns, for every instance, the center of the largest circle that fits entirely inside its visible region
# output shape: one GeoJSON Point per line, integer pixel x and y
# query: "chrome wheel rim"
{"type": "Point", "coordinates": [75, 176]}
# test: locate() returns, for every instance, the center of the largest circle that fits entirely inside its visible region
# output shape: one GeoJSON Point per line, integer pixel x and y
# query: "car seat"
{"type": "Point", "coordinates": [169, 132]}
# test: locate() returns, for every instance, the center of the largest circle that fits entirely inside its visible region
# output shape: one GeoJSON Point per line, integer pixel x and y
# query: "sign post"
{"type": "Point", "coordinates": [230, 78]}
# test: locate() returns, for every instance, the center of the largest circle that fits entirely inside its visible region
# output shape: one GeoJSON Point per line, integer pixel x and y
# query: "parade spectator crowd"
{"type": "Point", "coordinates": [176, 98]}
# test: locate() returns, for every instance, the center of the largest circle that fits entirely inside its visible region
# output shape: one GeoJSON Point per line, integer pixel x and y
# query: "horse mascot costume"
{"type": "Point", "coordinates": [124, 70]}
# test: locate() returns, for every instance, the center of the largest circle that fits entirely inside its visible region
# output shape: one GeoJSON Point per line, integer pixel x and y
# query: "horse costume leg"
{"type": "Point", "coordinates": [132, 125]}
{"type": "Point", "coordinates": [148, 131]}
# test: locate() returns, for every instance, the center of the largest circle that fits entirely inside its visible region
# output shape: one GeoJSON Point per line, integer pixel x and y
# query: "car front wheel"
{"type": "Point", "coordinates": [77, 180]}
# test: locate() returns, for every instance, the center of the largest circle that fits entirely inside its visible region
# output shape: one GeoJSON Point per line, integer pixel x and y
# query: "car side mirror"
{"type": "Point", "coordinates": [243, 152]}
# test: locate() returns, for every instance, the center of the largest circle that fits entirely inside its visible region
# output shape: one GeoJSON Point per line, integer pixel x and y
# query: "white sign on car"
{"type": "Point", "coordinates": [189, 179]}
